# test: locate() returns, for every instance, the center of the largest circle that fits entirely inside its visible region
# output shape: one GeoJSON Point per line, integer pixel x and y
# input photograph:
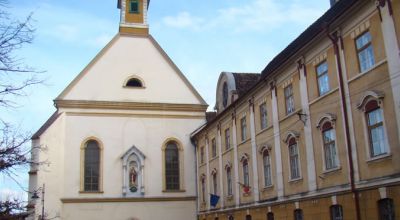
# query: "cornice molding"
{"type": "Point", "coordinates": [114, 200]}
{"type": "Point", "coordinates": [84, 104]}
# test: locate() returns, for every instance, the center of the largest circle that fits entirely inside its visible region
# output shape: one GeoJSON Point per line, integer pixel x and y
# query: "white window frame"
{"type": "Point", "coordinates": [329, 118]}
{"type": "Point", "coordinates": [378, 97]}
{"type": "Point", "coordinates": [289, 136]}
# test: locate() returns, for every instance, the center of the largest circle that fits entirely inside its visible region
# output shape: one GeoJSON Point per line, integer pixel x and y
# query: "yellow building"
{"type": "Point", "coordinates": [316, 134]}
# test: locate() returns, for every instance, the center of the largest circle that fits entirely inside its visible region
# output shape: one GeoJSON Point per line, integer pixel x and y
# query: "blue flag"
{"type": "Point", "coordinates": [214, 200]}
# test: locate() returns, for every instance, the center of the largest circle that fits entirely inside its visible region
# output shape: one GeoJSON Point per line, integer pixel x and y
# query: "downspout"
{"type": "Point", "coordinates": [194, 142]}
{"type": "Point", "coordinates": [334, 38]}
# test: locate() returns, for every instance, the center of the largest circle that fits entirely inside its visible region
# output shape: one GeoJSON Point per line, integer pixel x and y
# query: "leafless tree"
{"type": "Point", "coordinates": [15, 77]}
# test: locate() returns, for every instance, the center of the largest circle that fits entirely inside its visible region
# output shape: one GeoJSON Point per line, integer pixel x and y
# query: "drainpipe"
{"type": "Point", "coordinates": [335, 38]}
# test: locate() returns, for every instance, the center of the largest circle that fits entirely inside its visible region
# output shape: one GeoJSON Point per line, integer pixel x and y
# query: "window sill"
{"type": "Point", "coordinates": [243, 142]}
{"type": "Point", "coordinates": [333, 170]}
{"type": "Point", "coordinates": [290, 115]}
{"type": "Point", "coordinates": [246, 194]}
{"type": "Point", "coordinates": [174, 191]}
{"type": "Point", "coordinates": [267, 188]}
{"type": "Point", "coordinates": [229, 198]}
{"type": "Point", "coordinates": [91, 192]}
{"type": "Point", "coordinates": [296, 180]}
{"type": "Point", "coordinates": [265, 129]}
{"type": "Point", "coordinates": [368, 70]}
{"type": "Point", "coordinates": [379, 158]}
{"type": "Point", "coordinates": [323, 96]}
{"type": "Point", "coordinates": [226, 151]}
{"type": "Point", "coordinates": [132, 87]}
{"type": "Point", "coordinates": [214, 158]}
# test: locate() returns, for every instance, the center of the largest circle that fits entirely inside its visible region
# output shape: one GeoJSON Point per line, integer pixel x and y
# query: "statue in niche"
{"type": "Point", "coordinates": [133, 180]}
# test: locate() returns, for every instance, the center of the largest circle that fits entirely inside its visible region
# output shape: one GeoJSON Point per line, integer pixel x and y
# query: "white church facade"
{"type": "Point", "coordinates": [118, 145]}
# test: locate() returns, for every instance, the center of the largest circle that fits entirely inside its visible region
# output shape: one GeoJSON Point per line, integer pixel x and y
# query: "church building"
{"type": "Point", "coordinates": [118, 145]}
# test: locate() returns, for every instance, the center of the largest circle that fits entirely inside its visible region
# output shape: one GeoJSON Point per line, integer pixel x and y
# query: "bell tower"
{"type": "Point", "coordinates": [133, 16]}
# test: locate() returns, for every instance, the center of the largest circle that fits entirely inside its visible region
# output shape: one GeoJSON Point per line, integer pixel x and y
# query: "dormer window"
{"type": "Point", "coordinates": [225, 94]}
{"type": "Point", "coordinates": [134, 6]}
{"type": "Point", "coordinates": [134, 83]}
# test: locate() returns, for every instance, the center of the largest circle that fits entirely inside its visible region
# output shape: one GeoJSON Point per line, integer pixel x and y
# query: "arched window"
{"type": "Point", "coordinates": [298, 214]}
{"type": "Point", "coordinates": [172, 178]}
{"type": "Point", "coordinates": [229, 180]}
{"type": "Point", "coordinates": [329, 142]}
{"type": "Point", "coordinates": [386, 209]}
{"type": "Point", "coordinates": [267, 168]}
{"type": "Point", "coordinates": [371, 104]}
{"type": "Point", "coordinates": [134, 82]}
{"type": "Point", "coordinates": [376, 132]}
{"type": "Point", "coordinates": [294, 159]}
{"type": "Point", "coordinates": [225, 94]}
{"type": "Point", "coordinates": [270, 216]}
{"type": "Point", "coordinates": [246, 178]}
{"type": "Point", "coordinates": [215, 183]}
{"type": "Point", "coordinates": [336, 212]}
{"type": "Point", "coordinates": [203, 189]}
{"type": "Point", "coordinates": [91, 167]}
{"type": "Point", "coordinates": [248, 217]}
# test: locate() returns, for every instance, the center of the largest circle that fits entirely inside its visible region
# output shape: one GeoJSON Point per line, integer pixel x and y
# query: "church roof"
{"type": "Point", "coordinates": [245, 81]}
{"type": "Point", "coordinates": [46, 125]}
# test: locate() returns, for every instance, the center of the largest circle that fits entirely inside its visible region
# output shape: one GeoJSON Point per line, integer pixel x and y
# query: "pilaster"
{"type": "Point", "coordinates": [254, 152]}
{"type": "Point", "coordinates": [311, 172]}
{"type": "Point", "coordinates": [235, 161]}
{"type": "Point", "coordinates": [277, 140]}
{"type": "Point", "coordinates": [221, 171]}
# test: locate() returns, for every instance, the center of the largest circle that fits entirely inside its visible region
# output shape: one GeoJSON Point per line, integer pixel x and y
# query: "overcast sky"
{"type": "Point", "coordinates": [203, 38]}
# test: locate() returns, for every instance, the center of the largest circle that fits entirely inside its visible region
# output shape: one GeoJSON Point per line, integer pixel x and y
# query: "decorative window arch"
{"type": "Point", "coordinates": [326, 124]}
{"type": "Point", "coordinates": [291, 139]}
{"type": "Point", "coordinates": [91, 165]}
{"type": "Point", "coordinates": [133, 172]}
{"type": "Point", "coordinates": [172, 150]}
{"type": "Point", "coordinates": [134, 82]}
{"type": "Point", "coordinates": [375, 131]}
{"type": "Point", "coordinates": [386, 209]}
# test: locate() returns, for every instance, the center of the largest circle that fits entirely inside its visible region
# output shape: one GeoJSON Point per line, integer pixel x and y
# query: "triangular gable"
{"type": "Point", "coordinates": [167, 64]}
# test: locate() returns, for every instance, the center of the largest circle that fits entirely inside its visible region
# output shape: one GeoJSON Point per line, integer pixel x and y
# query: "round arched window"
{"type": "Point", "coordinates": [225, 94]}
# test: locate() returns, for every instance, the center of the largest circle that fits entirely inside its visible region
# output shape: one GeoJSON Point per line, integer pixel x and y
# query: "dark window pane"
{"type": "Point", "coordinates": [134, 6]}
{"type": "Point", "coordinates": [134, 83]}
{"type": "Point", "coordinates": [172, 166]}
{"type": "Point", "coordinates": [386, 209]}
{"type": "Point", "coordinates": [92, 166]}
{"type": "Point", "coordinates": [270, 216]}
{"type": "Point", "coordinates": [336, 212]}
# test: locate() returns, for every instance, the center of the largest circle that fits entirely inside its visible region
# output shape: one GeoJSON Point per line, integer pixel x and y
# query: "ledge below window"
{"type": "Point", "coordinates": [91, 192]}
{"type": "Point", "coordinates": [296, 180]}
{"type": "Point", "coordinates": [379, 158]}
{"type": "Point", "coordinates": [174, 191]}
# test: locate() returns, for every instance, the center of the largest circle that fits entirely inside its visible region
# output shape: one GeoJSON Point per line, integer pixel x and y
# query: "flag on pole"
{"type": "Point", "coordinates": [246, 189]}
{"type": "Point", "coordinates": [214, 200]}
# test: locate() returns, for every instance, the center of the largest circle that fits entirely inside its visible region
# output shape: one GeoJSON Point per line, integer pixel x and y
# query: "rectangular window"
{"type": "Point", "coordinates": [229, 180]}
{"type": "Point", "coordinates": [323, 78]}
{"type": "Point", "coordinates": [386, 209]}
{"type": "Point", "coordinates": [134, 6]}
{"type": "Point", "coordinates": [214, 178]}
{"type": "Point", "coordinates": [376, 132]}
{"type": "Point", "coordinates": [289, 100]}
{"type": "Point", "coordinates": [267, 169]}
{"type": "Point", "coordinates": [227, 139]}
{"type": "Point", "coordinates": [246, 178]}
{"type": "Point", "coordinates": [243, 129]}
{"type": "Point", "coordinates": [294, 161]}
{"type": "Point", "coordinates": [365, 51]}
{"type": "Point", "coordinates": [214, 147]}
{"type": "Point", "coordinates": [330, 149]}
{"type": "Point", "coordinates": [202, 155]}
{"type": "Point", "coordinates": [336, 212]}
{"type": "Point", "coordinates": [203, 190]}
{"type": "Point", "coordinates": [263, 116]}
